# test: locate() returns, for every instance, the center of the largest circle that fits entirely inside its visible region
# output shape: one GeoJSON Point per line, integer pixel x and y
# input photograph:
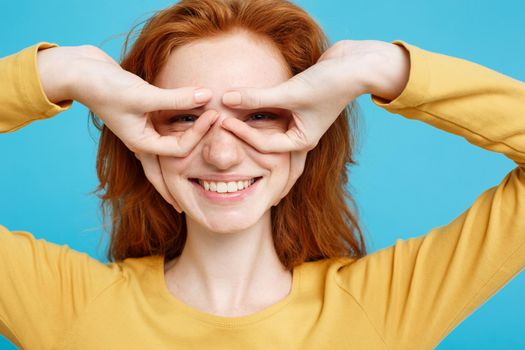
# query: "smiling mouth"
{"type": "Point", "coordinates": [225, 186]}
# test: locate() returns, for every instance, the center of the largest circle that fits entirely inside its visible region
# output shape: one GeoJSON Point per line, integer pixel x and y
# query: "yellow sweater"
{"type": "Point", "coordinates": [408, 296]}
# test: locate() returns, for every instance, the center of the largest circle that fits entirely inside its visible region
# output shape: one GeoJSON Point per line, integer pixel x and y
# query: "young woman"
{"type": "Point", "coordinates": [222, 162]}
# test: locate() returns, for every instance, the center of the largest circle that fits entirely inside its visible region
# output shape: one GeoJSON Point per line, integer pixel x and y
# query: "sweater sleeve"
{"type": "Point", "coordinates": [22, 97]}
{"type": "Point", "coordinates": [418, 290]}
{"type": "Point", "coordinates": [45, 287]}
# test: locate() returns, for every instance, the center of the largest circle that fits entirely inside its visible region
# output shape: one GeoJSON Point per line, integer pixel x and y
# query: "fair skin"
{"type": "Point", "coordinates": [229, 258]}
{"type": "Point", "coordinates": [226, 265]}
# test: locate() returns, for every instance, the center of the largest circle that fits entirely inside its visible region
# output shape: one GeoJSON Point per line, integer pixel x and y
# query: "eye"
{"type": "Point", "coordinates": [185, 118]}
{"type": "Point", "coordinates": [176, 123]}
{"type": "Point", "coordinates": [261, 116]}
{"type": "Point", "coordinates": [269, 121]}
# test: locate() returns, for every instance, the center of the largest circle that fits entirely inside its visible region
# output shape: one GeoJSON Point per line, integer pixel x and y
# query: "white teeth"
{"type": "Point", "coordinates": [232, 186]}
{"type": "Point", "coordinates": [223, 187]}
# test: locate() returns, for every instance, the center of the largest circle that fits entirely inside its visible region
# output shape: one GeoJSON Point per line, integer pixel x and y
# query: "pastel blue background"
{"type": "Point", "coordinates": [411, 177]}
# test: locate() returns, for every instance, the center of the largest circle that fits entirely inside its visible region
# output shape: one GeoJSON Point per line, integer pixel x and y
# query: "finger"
{"type": "Point", "coordinates": [151, 166]}
{"type": "Point", "coordinates": [263, 142]}
{"type": "Point", "coordinates": [176, 146]}
{"type": "Point", "coordinates": [168, 146]}
{"type": "Point", "coordinates": [193, 135]}
{"type": "Point", "coordinates": [152, 142]}
{"type": "Point", "coordinates": [252, 98]}
{"type": "Point", "coordinates": [157, 99]}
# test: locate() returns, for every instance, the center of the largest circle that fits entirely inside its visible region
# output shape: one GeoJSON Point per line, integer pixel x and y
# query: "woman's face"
{"type": "Point", "coordinates": [224, 184]}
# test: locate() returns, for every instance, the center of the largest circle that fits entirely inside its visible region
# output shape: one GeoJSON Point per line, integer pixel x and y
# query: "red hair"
{"type": "Point", "coordinates": [316, 220]}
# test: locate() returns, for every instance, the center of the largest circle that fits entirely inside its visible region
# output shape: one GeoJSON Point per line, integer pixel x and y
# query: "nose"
{"type": "Point", "coordinates": [221, 148]}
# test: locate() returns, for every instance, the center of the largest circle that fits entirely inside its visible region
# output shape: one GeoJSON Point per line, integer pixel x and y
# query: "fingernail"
{"type": "Point", "coordinates": [232, 98]}
{"type": "Point", "coordinates": [202, 95]}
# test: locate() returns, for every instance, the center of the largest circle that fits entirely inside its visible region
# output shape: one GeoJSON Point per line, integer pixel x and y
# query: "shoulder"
{"type": "Point", "coordinates": [324, 270]}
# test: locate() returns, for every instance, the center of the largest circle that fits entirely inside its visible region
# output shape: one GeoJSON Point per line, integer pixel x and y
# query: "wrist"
{"type": "Point", "coordinates": [391, 71]}
{"type": "Point", "coordinates": [54, 74]}
{"type": "Point", "coordinates": [59, 70]}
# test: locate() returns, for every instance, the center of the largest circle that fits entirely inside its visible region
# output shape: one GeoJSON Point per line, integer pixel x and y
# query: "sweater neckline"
{"type": "Point", "coordinates": [217, 320]}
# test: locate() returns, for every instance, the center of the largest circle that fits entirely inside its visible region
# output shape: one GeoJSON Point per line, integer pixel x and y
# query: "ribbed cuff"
{"type": "Point", "coordinates": [22, 97]}
{"type": "Point", "coordinates": [31, 85]}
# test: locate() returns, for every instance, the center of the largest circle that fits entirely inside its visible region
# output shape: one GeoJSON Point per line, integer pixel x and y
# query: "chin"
{"type": "Point", "coordinates": [224, 222]}
{"type": "Point", "coordinates": [228, 228]}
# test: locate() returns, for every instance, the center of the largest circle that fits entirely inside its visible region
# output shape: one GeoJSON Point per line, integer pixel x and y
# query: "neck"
{"type": "Point", "coordinates": [224, 273]}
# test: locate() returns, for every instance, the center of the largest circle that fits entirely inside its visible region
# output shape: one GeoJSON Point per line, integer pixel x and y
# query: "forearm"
{"type": "Point", "coordinates": [466, 99]}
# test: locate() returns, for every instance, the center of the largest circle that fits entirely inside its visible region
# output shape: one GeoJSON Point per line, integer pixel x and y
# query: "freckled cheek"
{"type": "Point", "coordinates": [277, 163]}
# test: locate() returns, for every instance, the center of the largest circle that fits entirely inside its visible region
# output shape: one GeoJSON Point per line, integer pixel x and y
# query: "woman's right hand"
{"type": "Point", "coordinates": [124, 102]}
{"type": "Point", "coordinates": [121, 99]}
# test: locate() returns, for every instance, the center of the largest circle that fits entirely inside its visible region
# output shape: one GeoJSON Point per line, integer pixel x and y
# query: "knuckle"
{"type": "Point", "coordinates": [179, 100]}
{"type": "Point", "coordinates": [138, 96]}
{"type": "Point", "coordinates": [301, 141]}
{"type": "Point", "coordinates": [253, 99]}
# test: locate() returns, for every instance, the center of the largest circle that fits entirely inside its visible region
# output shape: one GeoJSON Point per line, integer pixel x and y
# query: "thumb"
{"type": "Point", "coordinates": [279, 96]}
{"type": "Point", "coordinates": [153, 98]}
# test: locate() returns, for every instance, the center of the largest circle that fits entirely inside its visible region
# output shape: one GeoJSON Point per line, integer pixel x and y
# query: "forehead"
{"type": "Point", "coordinates": [237, 59]}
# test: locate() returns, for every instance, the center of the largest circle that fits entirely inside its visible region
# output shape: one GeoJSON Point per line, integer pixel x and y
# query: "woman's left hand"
{"type": "Point", "coordinates": [318, 95]}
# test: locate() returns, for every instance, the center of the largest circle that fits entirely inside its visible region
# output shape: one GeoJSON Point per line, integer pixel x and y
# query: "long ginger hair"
{"type": "Point", "coordinates": [318, 217]}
